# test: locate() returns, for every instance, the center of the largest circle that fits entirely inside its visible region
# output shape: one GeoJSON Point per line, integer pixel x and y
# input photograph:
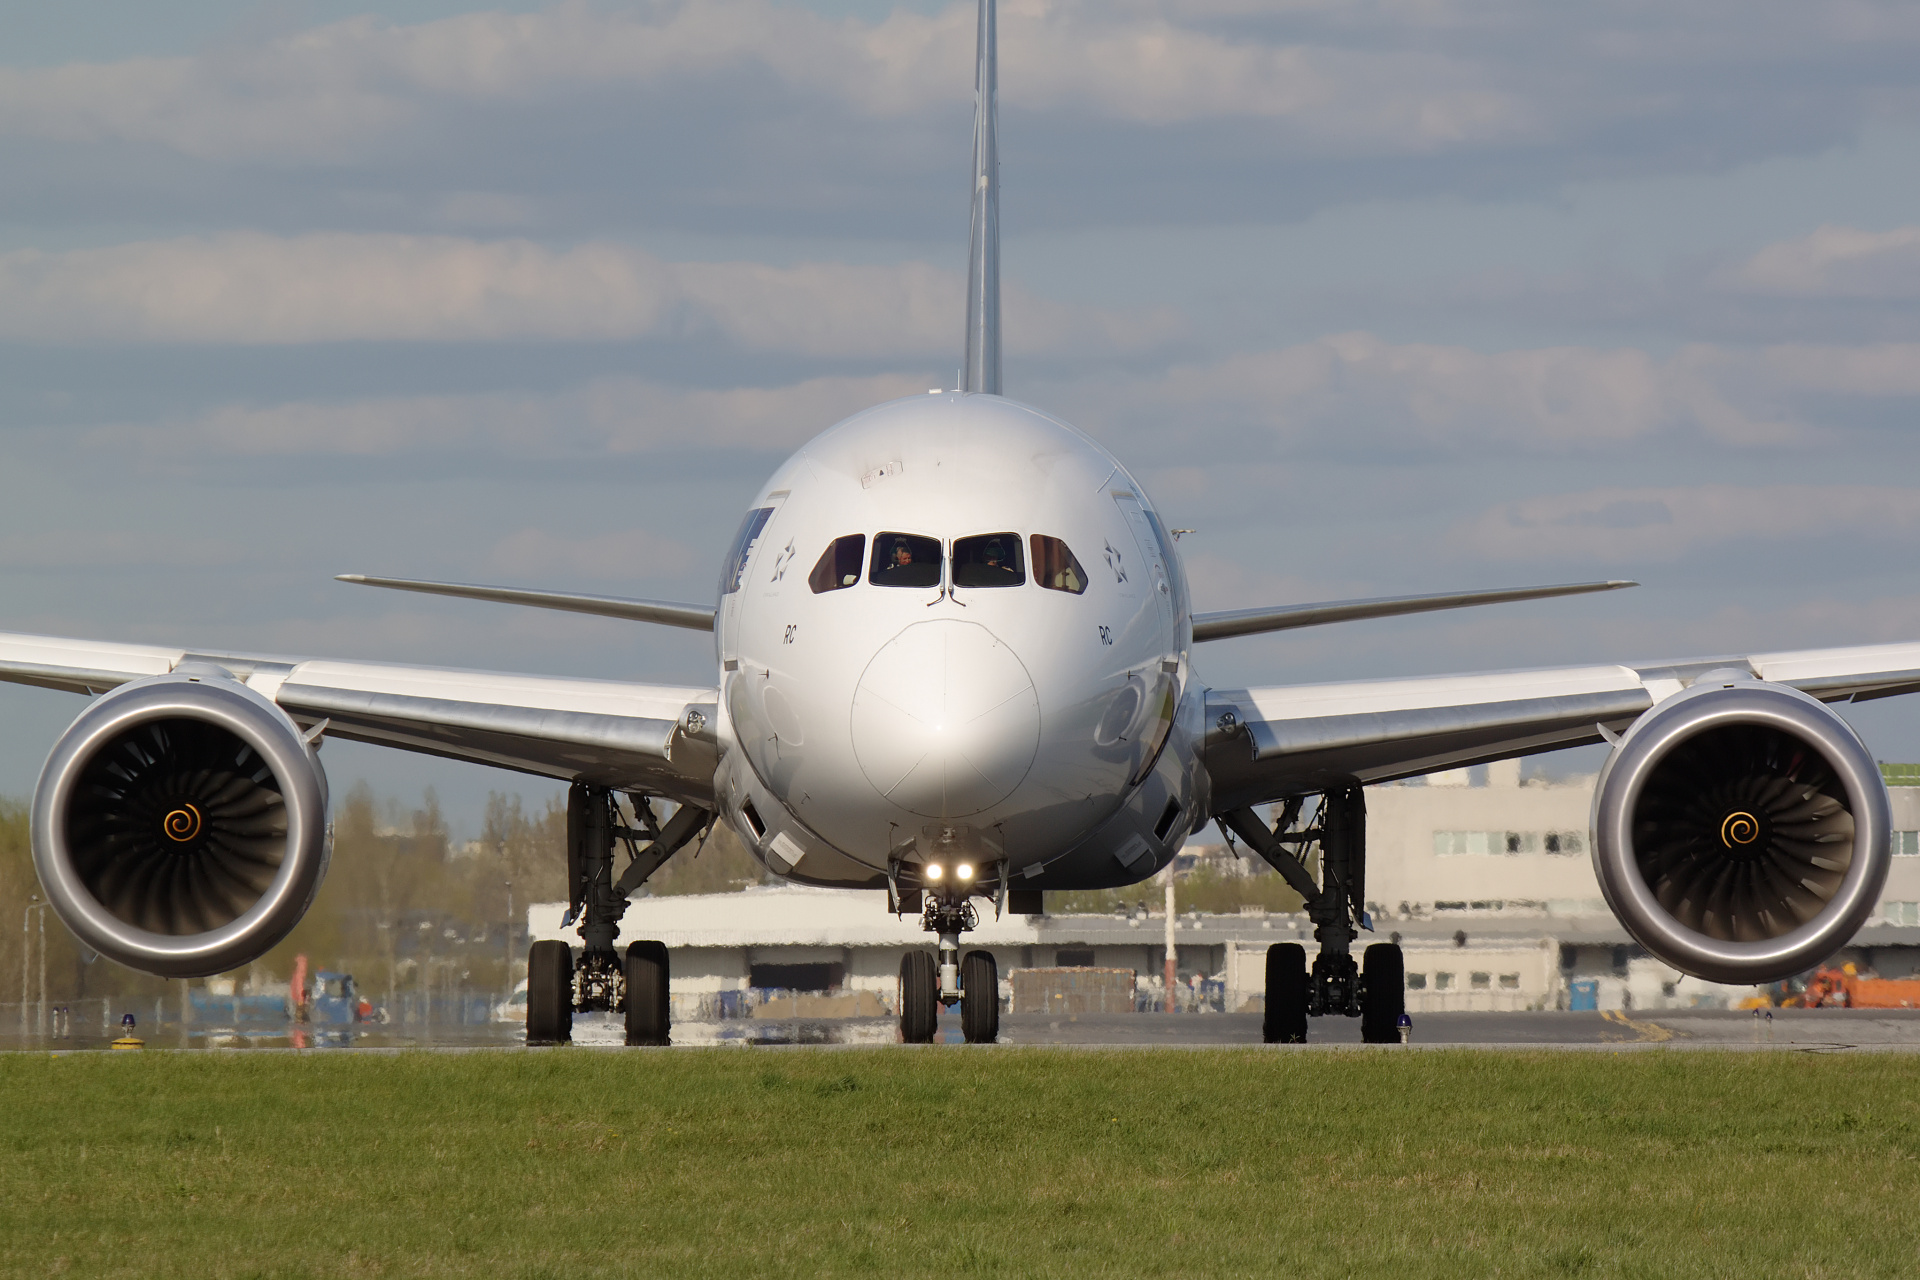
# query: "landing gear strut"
{"type": "Point", "coordinates": [972, 983]}
{"type": "Point", "coordinates": [557, 986]}
{"type": "Point", "coordinates": [1335, 985]}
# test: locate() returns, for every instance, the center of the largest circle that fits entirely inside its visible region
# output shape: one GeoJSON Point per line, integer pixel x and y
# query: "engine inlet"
{"type": "Point", "coordinates": [177, 827]}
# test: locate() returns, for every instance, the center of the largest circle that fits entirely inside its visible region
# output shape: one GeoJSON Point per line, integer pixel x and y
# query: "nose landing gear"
{"type": "Point", "coordinates": [1336, 985]}
{"type": "Point", "coordinates": [972, 983]}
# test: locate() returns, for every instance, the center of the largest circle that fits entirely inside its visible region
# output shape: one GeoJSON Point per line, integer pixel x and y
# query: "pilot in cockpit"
{"type": "Point", "coordinates": [902, 555]}
{"type": "Point", "coordinates": [994, 562]}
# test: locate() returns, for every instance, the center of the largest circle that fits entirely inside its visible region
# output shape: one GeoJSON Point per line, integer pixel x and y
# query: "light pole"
{"type": "Point", "coordinates": [1173, 947]}
{"type": "Point", "coordinates": [508, 997]}
{"type": "Point", "coordinates": [26, 954]}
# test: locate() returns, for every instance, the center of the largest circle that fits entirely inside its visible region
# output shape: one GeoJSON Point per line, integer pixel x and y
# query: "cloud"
{"type": "Point", "coordinates": [77, 549]}
{"type": "Point", "coordinates": [1347, 395]}
{"type": "Point", "coordinates": [617, 416]}
{"type": "Point", "coordinates": [623, 554]}
{"type": "Point", "coordinates": [1356, 392]}
{"type": "Point", "coordinates": [250, 288]}
{"type": "Point", "coordinates": [1667, 524]}
{"type": "Point", "coordinates": [1833, 262]}
{"type": "Point", "coordinates": [1841, 283]}
{"type": "Point", "coordinates": [710, 112]}
{"type": "Point", "coordinates": [321, 93]}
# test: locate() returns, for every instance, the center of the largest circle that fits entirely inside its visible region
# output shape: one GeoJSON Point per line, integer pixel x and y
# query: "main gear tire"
{"type": "Point", "coordinates": [549, 993]}
{"type": "Point", "coordinates": [919, 998]}
{"type": "Point", "coordinates": [1383, 993]}
{"type": "Point", "coordinates": [649, 1013]}
{"type": "Point", "coordinates": [980, 997]}
{"type": "Point", "coordinates": [1286, 1017]}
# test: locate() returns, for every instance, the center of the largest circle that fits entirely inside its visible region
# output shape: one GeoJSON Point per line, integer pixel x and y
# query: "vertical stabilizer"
{"type": "Point", "coordinates": [982, 369]}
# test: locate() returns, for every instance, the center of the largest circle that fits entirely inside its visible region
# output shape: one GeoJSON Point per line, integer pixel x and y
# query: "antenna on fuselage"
{"type": "Point", "coordinates": [982, 369]}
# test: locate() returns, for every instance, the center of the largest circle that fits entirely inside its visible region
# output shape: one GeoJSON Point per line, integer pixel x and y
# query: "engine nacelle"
{"type": "Point", "coordinates": [180, 825]}
{"type": "Point", "coordinates": [1740, 830]}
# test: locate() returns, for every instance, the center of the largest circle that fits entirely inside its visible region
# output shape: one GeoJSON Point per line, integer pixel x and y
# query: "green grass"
{"type": "Point", "coordinates": [951, 1162]}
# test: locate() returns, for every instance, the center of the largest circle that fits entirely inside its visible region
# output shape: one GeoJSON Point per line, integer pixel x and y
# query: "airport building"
{"type": "Point", "coordinates": [1484, 879]}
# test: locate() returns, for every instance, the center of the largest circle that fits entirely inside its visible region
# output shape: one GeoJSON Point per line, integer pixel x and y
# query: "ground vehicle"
{"type": "Point", "coordinates": [1848, 988]}
{"type": "Point", "coordinates": [334, 999]}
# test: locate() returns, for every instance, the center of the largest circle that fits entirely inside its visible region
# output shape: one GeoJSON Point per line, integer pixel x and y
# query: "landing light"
{"type": "Point", "coordinates": [934, 871]}
{"type": "Point", "coordinates": [964, 871]}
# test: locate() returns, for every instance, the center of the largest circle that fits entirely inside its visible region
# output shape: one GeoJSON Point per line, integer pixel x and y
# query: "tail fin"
{"type": "Point", "coordinates": [982, 370]}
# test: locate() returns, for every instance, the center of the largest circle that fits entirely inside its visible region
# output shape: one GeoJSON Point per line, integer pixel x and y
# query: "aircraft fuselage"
{"type": "Point", "coordinates": [953, 626]}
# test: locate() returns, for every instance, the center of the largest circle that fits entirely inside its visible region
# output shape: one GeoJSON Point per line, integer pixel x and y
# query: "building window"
{"type": "Point", "coordinates": [1442, 981]}
{"type": "Point", "coordinates": [1448, 843]}
{"type": "Point", "coordinates": [1416, 982]}
{"type": "Point", "coordinates": [1481, 981]}
{"type": "Point", "coordinates": [1066, 959]}
{"type": "Point", "coordinates": [1900, 912]}
{"type": "Point", "coordinates": [1510, 982]}
{"type": "Point", "coordinates": [1906, 844]}
{"type": "Point", "coordinates": [797, 977]}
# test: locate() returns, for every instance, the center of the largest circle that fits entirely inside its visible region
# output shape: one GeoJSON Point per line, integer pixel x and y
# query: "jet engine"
{"type": "Point", "coordinates": [1740, 830]}
{"type": "Point", "coordinates": [180, 825]}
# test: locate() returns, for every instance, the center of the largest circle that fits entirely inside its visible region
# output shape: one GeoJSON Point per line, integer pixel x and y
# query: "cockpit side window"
{"type": "Point", "coordinates": [905, 560]}
{"type": "Point", "coordinates": [839, 565]}
{"type": "Point", "coordinates": [988, 560]}
{"type": "Point", "coordinates": [1054, 566]}
{"type": "Point", "coordinates": [736, 562]}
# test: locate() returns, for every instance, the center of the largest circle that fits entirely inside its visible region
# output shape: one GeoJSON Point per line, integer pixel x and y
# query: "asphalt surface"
{"type": "Point", "coordinates": [1689, 1028]}
{"type": "Point", "coordinates": [1829, 1030]}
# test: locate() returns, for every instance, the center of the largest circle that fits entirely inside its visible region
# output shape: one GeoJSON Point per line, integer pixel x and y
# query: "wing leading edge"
{"type": "Point", "coordinates": [611, 733]}
{"type": "Point", "coordinates": [694, 617]}
{"type": "Point", "coordinates": [1265, 743]}
{"type": "Point", "coordinates": [1228, 623]}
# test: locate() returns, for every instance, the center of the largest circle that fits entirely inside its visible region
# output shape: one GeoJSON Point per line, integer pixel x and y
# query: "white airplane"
{"type": "Point", "coordinates": [954, 651]}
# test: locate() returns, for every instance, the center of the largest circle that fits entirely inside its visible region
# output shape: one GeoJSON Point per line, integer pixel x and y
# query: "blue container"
{"type": "Point", "coordinates": [1584, 996]}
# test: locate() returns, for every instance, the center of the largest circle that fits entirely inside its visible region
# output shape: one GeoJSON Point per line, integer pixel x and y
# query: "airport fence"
{"type": "Point", "coordinates": [97, 1019]}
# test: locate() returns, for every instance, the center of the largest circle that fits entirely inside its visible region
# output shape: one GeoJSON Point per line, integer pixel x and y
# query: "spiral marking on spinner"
{"type": "Point", "coordinates": [1740, 828]}
{"type": "Point", "coordinates": [182, 825]}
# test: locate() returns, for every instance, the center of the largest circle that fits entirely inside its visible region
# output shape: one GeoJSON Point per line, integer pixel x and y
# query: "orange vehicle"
{"type": "Point", "coordinates": [1848, 988]}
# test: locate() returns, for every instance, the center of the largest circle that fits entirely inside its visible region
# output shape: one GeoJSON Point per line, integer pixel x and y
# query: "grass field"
{"type": "Point", "coordinates": [1011, 1162]}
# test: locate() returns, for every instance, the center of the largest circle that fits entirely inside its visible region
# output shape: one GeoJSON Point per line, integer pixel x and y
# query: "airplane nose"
{"type": "Point", "coordinates": [945, 719]}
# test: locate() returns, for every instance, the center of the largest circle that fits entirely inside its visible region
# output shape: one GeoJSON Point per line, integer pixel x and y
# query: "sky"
{"type": "Point", "coordinates": [1375, 297]}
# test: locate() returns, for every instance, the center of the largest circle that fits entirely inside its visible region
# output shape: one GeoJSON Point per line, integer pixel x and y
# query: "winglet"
{"type": "Point", "coordinates": [981, 373]}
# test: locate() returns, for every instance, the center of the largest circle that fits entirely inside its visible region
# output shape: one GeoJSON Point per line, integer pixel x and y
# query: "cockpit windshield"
{"type": "Point", "coordinates": [988, 560]}
{"type": "Point", "coordinates": [905, 560]}
{"type": "Point", "coordinates": [839, 564]}
{"type": "Point", "coordinates": [736, 565]}
{"type": "Point", "coordinates": [1055, 568]}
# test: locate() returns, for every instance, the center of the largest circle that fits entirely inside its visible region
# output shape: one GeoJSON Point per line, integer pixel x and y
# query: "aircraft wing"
{"type": "Point", "coordinates": [657, 738]}
{"type": "Point", "coordinates": [1263, 744]}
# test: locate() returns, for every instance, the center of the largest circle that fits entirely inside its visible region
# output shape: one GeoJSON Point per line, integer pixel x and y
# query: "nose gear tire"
{"type": "Point", "coordinates": [1383, 994]}
{"type": "Point", "coordinates": [549, 993]}
{"type": "Point", "coordinates": [919, 998]}
{"type": "Point", "coordinates": [647, 1007]}
{"type": "Point", "coordinates": [1286, 1017]}
{"type": "Point", "coordinates": [980, 997]}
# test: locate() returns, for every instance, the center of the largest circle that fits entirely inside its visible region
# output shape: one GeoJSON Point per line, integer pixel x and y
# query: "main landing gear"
{"type": "Point", "coordinates": [1336, 985]}
{"type": "Point", "coordinates": [602, 979]}
{"type": "Point", "coordinates": [973, 983]}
